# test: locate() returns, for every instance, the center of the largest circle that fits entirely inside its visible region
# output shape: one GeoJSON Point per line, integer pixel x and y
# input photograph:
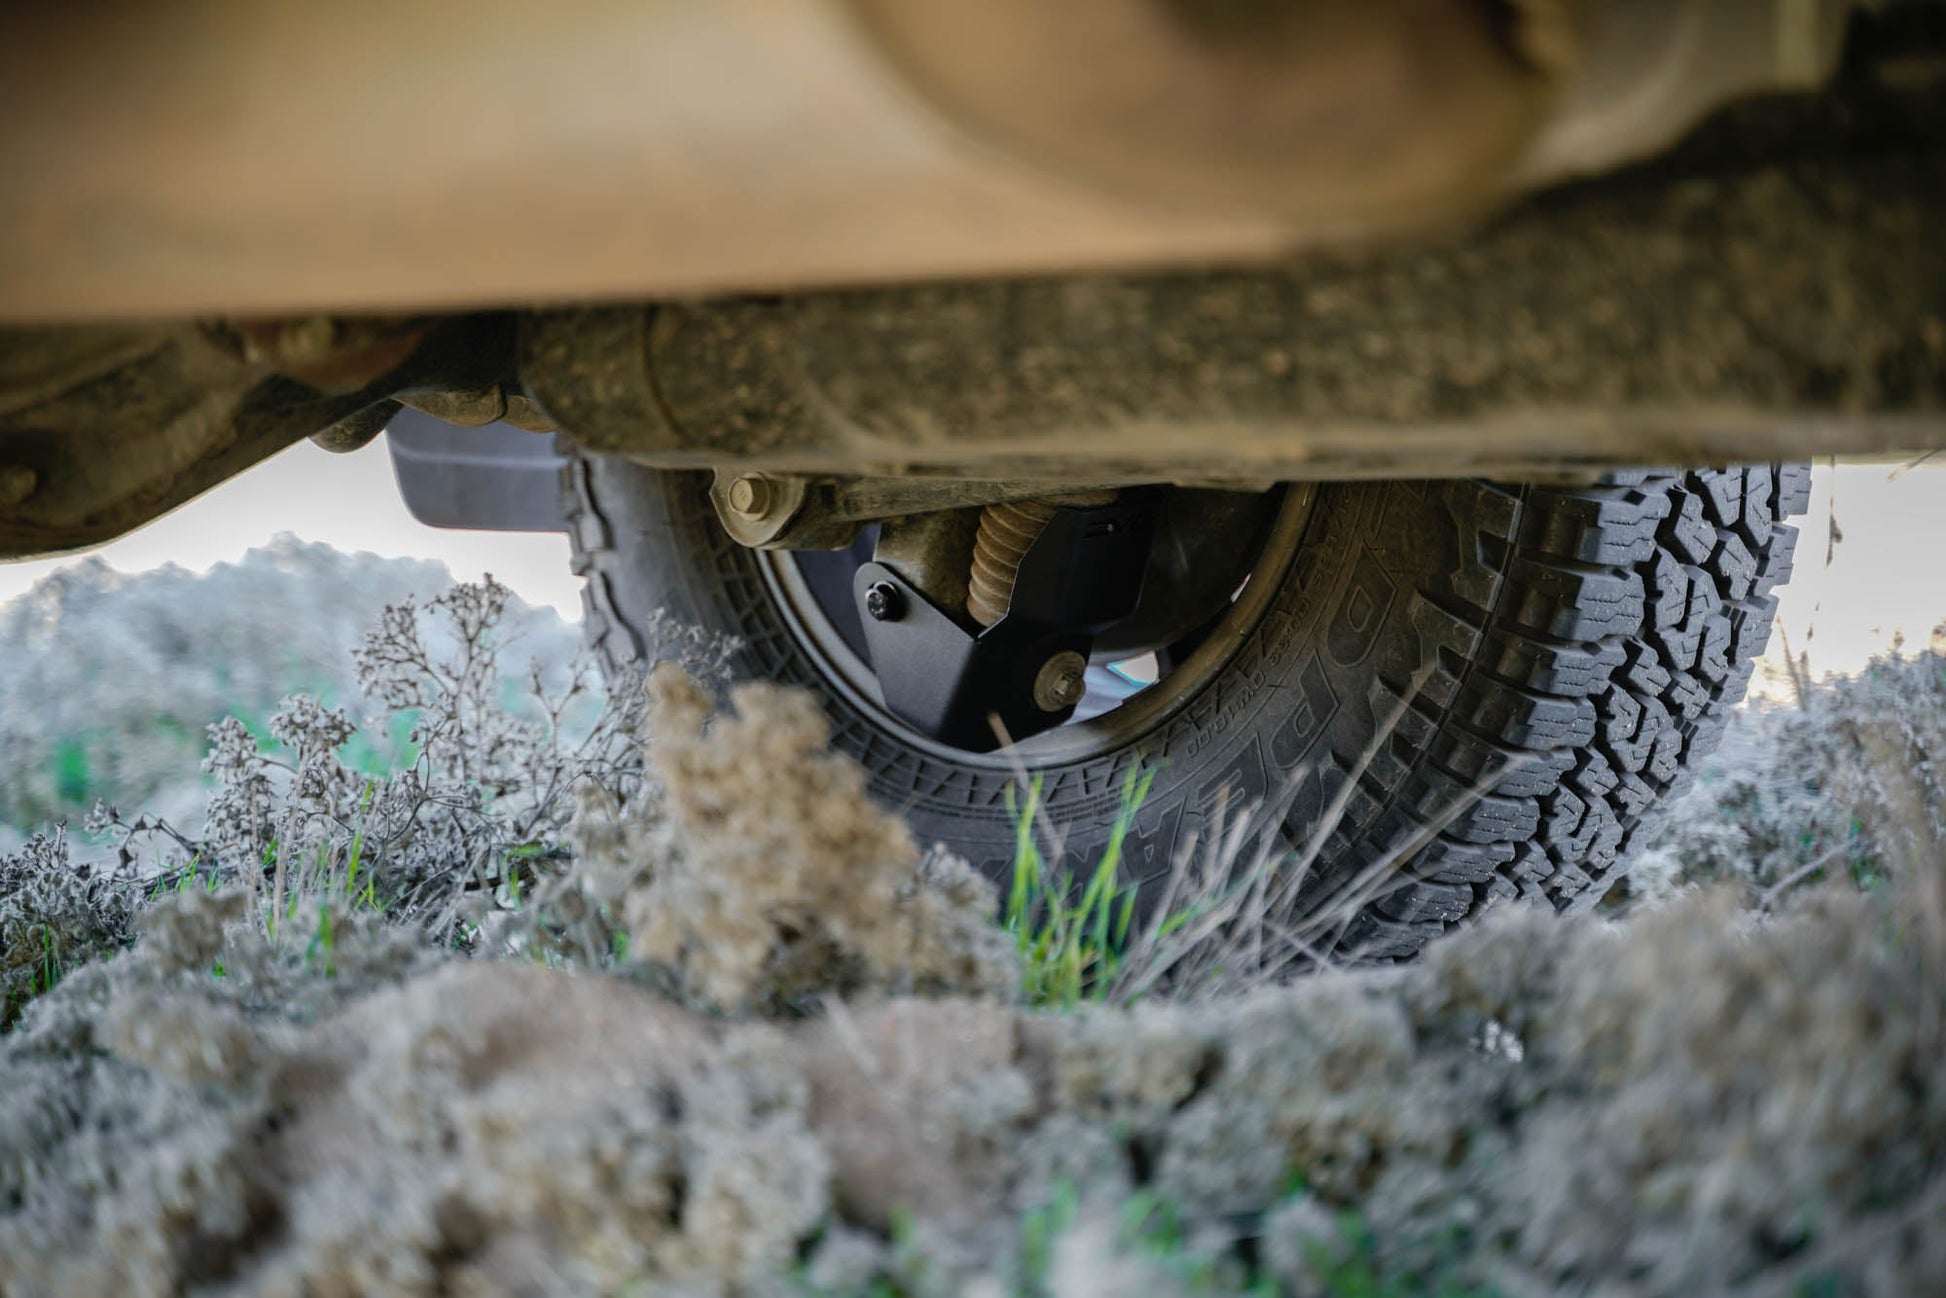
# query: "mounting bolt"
{"type": "Point", "coordinates": [1061, 681]}
{"type": "Point", "coordinates": [884, 602]}
{"type": "Point", "coordinates": [751, 496]}
{"type": "Point", "coordinates": [307, 339]}
{"type": "Point", "coordinates": [17, 482]}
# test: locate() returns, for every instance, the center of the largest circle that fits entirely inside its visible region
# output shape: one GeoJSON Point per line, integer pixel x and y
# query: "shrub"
{"type": "Point", "coordinates": [113, 679]}
{"type": "Point", "coordinates": [1852, 780]}
{"type": "Point", "coordinates": [55, 914]}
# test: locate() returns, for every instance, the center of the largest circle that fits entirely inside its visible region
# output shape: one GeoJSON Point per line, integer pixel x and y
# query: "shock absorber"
{"type": "Point", "coordinates": [1007, 530]}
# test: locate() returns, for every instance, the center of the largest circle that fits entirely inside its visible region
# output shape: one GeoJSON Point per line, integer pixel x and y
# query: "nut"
{"type": "Point", "coordinates": [1061, 681]}
{"type": "Point", "coordinates": [306, 339]}
{"type": "Point", "coordinates": [884, 602]}
{"type": "Point", "coordinates": [751, 496]}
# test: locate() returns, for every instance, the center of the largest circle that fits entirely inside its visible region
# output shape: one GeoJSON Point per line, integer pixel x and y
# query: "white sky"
{"type": "Point", "coordinates": [1887, 576]}
{"type": "Point", "coordinates": [350, 502]}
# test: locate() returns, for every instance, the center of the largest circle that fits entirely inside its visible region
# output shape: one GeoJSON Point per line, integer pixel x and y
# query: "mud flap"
{"type": "Point", "coordinates": [493, 478]}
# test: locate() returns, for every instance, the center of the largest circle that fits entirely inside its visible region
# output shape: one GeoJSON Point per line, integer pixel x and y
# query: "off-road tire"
{"type": "Point", "coordinates": [1577, 650]}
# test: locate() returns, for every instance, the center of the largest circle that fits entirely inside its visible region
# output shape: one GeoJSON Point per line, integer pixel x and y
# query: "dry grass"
{"type": "Point", "coordinates": [725, 1086]}
{"type": "Point", "coordinates": [1240, 908]}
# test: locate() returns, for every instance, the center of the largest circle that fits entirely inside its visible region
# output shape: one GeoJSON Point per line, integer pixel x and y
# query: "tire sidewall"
{"type": "Point", "coordinates": [1457, 692]}
{"type": "Point", "coordinates": [1304, 678]}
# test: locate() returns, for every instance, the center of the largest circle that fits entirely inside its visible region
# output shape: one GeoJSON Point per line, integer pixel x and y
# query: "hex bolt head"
{"type": "Point", "coordinates": [1061, 681]}
{"type": "Point", "coordinates": [884, 602]}
{"type": "Point", "coordinates": [750, 495]}
{"type": "Point", "coordinates": [309, 338]}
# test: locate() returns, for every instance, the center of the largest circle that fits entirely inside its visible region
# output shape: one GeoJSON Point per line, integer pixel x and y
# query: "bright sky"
{"type": "Point", "coordinates": [350, 502]}
{"type": "Point", "coordinates": [1887, 575]}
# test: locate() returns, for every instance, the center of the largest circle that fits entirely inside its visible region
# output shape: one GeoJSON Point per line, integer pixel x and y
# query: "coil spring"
{"type": "Point", "coordinates": [1007, 530]}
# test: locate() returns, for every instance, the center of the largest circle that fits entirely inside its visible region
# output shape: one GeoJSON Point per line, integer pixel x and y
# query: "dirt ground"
{"type": "Point", "coordinates": [812, 1075]}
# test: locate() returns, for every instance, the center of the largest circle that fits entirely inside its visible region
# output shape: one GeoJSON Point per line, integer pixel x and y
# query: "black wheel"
{"type": "Point", "coordinates": [1553, 657]}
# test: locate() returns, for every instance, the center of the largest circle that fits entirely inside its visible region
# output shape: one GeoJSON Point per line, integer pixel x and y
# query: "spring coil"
{"type": "Point", "coordinates": [1007, 530]}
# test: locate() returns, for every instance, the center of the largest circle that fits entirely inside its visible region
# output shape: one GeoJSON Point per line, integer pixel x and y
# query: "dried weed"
{"type": "Point", "coordinates": [763, 875]}
{"type": "Point", "coordinates": [1708, 1097]}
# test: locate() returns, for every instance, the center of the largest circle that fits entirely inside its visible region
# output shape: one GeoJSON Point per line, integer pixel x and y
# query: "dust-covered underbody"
{"type": "Point", "coordinates": [801, 1064]}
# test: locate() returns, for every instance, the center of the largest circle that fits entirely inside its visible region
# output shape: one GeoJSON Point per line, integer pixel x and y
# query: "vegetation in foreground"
{"type": "Point", "coordinates": [112, 679]}
{"type": "Point", "coordinates": [714, 1023]}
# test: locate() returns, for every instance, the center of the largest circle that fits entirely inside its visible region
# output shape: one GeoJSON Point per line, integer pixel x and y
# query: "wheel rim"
{"type": "Point", "coordinates": [850, 677]}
